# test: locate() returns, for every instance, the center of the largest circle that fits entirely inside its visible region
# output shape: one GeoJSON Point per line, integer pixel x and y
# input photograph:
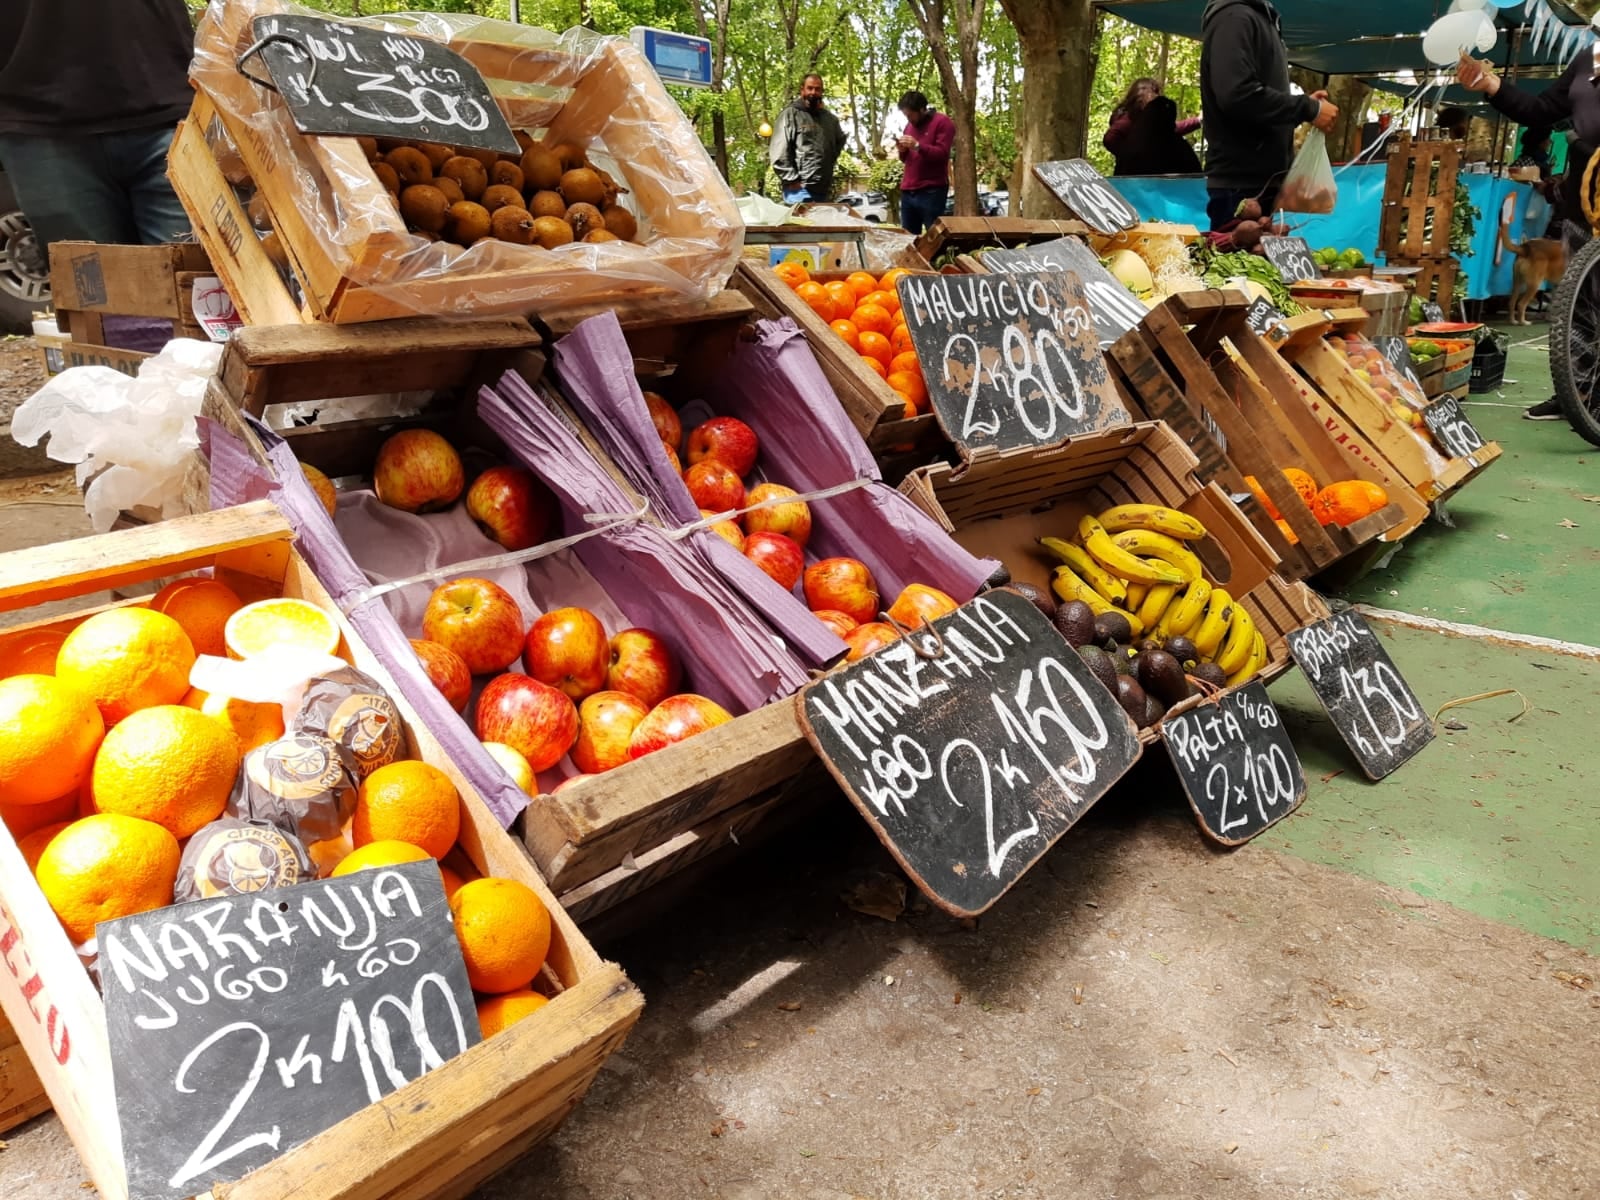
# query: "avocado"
{"type": "Point", "coordinates": [1075, 622]}
{"type": "Point", "coordinates": [1145, 644]}
{"type": "Point", "coordinates": [1124, 658]}
{"type": "Point", "coordinates": [1209, 673]}
{"type": "Point", "coordinates": [1162, 676]}
{"type": "Point", "coordinates": [1038, 597]}
{"type": "Point", "coordinates": [1113, 626]}
{"type": "Point", "coordinates": [1100, 666]}
{"type": "Point", "coordinates": [1132, 698]}
{"type": "Point", "coordinates": [1182, 649]}
{"type": "Point", "coordinates": [1154, 710]}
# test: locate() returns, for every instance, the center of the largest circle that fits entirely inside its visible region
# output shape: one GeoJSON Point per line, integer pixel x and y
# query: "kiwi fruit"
{"type": "Point", "coordinates": [547, 204]}
{"type": "Point", "coordinates": [1209, 673]}
{"type": "Point", "coordinates": [512, 223]}
{"type": "Point", "coordinates": [469, 173]}
{"type": "Point", "coordinates": [621, 222]}
{"type": "Point", "coordinates": [1182, 649]}
{"type": "Point", "coordinates": [584, 219]}
{"type": "Point", "coordinates": [369, 147]}
{"type": "Point", "coordinates": [387, 176]}
{"type": "Point", "coordinates": [1036, 596]}
{"type": "Point", "coordinates": [1162, 676]}
{"type": "Point", "coordinates": [551, 232]}
{"type": "Point", "coordinates": [386, 144]}
{"type": "Point", "coordinates": [1114, 627]}
{"type": "Point", "coordinates": [451, 189]}
{"type": "Point", "coordinates": [571, 156]}
{"type": "Point", "coordinates": [1075, 622]}
{"type": "Point", "coordinates": [410, 164]}
{"type": "Point", "coordinates": [499, 195]}
{"type": "Point", "coordinates": [506, 174]}
{"type": "Point", "coordinates": [1131, 696]}
{"type": "Point", "coordinates": [600, 235]}
{"type": "Point", "coordinates": [424, 207]}
{"type": "Point", "coordinates": [468, 222]}
{"type": "Point", "coordinates": [524, 141]}
{"type": "Point", "coordinates": [541, 170]}
{"type": "Point", "coordinates": [582, 186]}
{"type": "Point", "coordinates": [488, 158]}
{"type": "Point", "coordinates": [437, 154]}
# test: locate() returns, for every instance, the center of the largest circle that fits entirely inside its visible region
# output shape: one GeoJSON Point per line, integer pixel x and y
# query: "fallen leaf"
{"type": "Point", "coordinates": [1574, 979]}
{"type": "Point", "coordinates": [1333, 775]}
{"type": "Point", "coordinates": [1230, 1147]}
{"type": "Point", "coordinates": [1035, 1091]}
{"type": "Point", "coordinates": [789, 1006]}
{"type": "Point", "coordinates": [1590, 499]}
{"type": "Point", "coordinates": [1455, 726]}
{"type": "Point", "coordinates": [751, 1045]}
{"type": "Point", "coordinates": [1077, 993]}
{"type": "Point", "coordinates": [720, 1128]}
{"type": "Point", "coordinates": [808, 1153]}
{"type": "Point", "coordinates": [888, 981]}
{"type": "Point", "coordinates": [881, 896]}
{"type": "Point", "coordinates": [1163, 959]}
{"type": "Point", "coordinates": [1566, 524]}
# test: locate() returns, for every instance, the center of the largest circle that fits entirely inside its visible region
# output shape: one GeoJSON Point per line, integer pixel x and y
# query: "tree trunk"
{"type": "Point", "coordinates": [1057, 39]}
{"type": "Point", "coordinates": [1162, 60]}
{"type": "Point", "coordinates": [1351, 96]}
{"type": "Point", "coordinates": [960, 91]}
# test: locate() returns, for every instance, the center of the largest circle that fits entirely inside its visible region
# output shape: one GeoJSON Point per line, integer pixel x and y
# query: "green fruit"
{"type": "Point", "coordinates": [1100, 666]}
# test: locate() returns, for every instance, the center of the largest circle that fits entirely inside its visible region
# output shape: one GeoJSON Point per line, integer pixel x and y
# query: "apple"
{"type": "Point", "coordinates": [672, 457]}
{"type": "Point", "coordinates": [514, 765]}
{"type": "Point", "coordinates": [674, 719]}
{"type": "Point", "coordinates": [447, 671]}
{"type": "Point", "coordinates": [417, 471]}
{"type": "Point", "coordinates": [793, 519]}
{"type": "Point", "coordinates": [478, 619]}
{"type": "Point", "coordinates": [840, 623]}
{"type": "Point", "coordinates": [728, 440]}
{"type": "Point", "coordinates": [568, 782]}
{"type": "Point", "coordinates": [513, 506]}
{"type": "Point", "coordinates": [918, 603]}
{"type": "Point", "coordinates": [714, 485]}
{"type": "Point", "coordinates": [780, 557]}
{"type": "Point", "coordinates": [606, 721]}
{"type": "Point", "coordinates": [669, 427]}
{"type": "Point", "coordinates": [844, 585]}
{"type": "Point", "coordinates": [864, 639]}
{"type": "Point", "coordinates": [643, 666]}
{"type": "Point", "coordinates": [728, 531]}
{"type": "Point", "coordinates": [567, 649]}
{"type": "Point", "coordinates": [539, 722]}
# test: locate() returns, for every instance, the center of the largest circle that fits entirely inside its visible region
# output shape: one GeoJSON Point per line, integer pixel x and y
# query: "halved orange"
{"type": "Point", "coordinates": [279, 624]}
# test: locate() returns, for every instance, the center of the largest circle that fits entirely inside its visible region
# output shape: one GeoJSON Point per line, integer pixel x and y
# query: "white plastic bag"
{"type": "Point", "coordinates": [1309, 187]}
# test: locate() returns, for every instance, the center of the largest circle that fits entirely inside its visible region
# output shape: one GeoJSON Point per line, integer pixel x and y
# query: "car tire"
{"type": "Point", "coordinates": [16, 310]}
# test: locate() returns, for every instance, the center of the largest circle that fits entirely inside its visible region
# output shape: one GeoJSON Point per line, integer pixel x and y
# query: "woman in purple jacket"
{"type": "Point", "coordinates": [1119, 135]}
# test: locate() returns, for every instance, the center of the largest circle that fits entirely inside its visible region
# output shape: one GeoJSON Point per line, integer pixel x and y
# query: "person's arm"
{"type": "Point", "coordinates": [934, 146]}
{"type": "Point", "coordinates": [1235, 76]}
{"type": "Point", "coordinates": [1117, 132]}
{"type": "Point", "coordinates": [1549, 107]}
{"type": "Point", "coordinates": [1188, 125]}
{"type": "Point", "coordinates": [781, 150]}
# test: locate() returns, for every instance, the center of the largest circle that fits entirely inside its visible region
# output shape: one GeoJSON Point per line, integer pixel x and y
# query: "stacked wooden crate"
{"type": "Point", "coordinates": [1419, 199]}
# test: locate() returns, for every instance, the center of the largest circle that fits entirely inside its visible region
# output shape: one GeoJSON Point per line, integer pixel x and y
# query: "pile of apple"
{"type": "Point", "coordinates": [722, 454]}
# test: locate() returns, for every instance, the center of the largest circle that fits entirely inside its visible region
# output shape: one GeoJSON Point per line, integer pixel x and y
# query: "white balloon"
{"type": "Point", "coordinates": [1455, 33]}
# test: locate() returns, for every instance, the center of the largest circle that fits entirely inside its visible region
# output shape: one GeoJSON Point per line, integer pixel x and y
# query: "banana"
{"type": "Point", "coordinates": [1219, 612]}
{"type": "Point", "coordinates": [1135, 596]}
{"type": "Point", "coordinates": [1069, 586]}
{"type": "Point", "coordinates": [1119, 561]}
{"type": "Point", "coordinates": [1156, 601]}
{"type": "Point", "coordinates": [1185, 613]}
{"type": "Point", "coordinates": [1091, 572]}
{"type": "Point", "coordinates": [1235, 651]}
{"type": "Point", "coordinates": [1159, 546]}
{"type": "Point", "coordinates": [1256, 659]}
{"type": "Point", "coordinates": [1154, 517]}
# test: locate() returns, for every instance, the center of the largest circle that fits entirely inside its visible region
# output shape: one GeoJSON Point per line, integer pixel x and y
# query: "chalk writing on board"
{"type": "Point", "coordinates": [1236, 763]}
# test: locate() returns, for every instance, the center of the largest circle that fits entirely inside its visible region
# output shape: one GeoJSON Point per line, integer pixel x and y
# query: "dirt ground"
{"type": "Point", "coordinates": [21, 373]}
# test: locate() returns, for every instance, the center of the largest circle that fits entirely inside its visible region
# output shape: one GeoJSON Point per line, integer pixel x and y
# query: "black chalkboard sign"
{"type": "Point", "coordinates": [1356, 681]}
{"type": "Point", "coordinates": [1398, 352]}
{"type": "Point", "coordinates": [972, 748]}
{"type": "Point", "coordinates": [352, 80]}
{"type": "Point", "coordinates": [1085, 191]}
{"type": "Point", "coordinates": [1456, 435]}
{"type": "Point", "coordinates": [1431, 312]}
{"type": "Point", "coordinates": [242, 1026]}
{"type": "Point", "coordinates": [1236, 763]}
{"type": "Point", "coordinates": [1264, 318]}
{"type": "Point", "coordinates": [1010, 360]}
{"type": "Point", "coordinates": [1114, 308]}
{"type": "Point", "coordinates": [1292, 257]}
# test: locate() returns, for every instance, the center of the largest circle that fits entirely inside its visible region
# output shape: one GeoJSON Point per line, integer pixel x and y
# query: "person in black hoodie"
{"type": "Point", "coordinates": [1250, 114]}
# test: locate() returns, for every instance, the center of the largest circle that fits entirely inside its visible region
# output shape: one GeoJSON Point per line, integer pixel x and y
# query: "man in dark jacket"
{"type": "Point", "coordinates": [806, 145]}
{"type": "Point", "coordinates": [90, 93]}
{"type": "Point", "coordinates": [1249, 113]}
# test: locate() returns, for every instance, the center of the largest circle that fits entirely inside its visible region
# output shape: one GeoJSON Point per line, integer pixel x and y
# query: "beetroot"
{"type": "Point", "coordinates": [1248, 210]}
{"type": "Point", "coordinates": [1246, 234]}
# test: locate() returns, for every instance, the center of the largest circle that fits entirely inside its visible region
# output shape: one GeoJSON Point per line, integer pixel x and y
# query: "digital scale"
{"type": "Point", "coordinates": [678, 58]}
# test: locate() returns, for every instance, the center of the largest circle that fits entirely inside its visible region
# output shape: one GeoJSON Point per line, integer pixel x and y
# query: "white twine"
{"type": "Point", "coordinates": [809, 497]}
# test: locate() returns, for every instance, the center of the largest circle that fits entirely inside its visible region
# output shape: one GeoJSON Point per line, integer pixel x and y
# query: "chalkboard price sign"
{"type": "Point", "coordinates": [356, 81]}
{"type": "Point", "coordinates": [1456, 435]}
{"type": "Point", "coordinates": [1264, 318]}
{"type": "Point", "coordinates": [1398, 352]}
{"type": "Point", "coordinates": [1085, 191]}
{"type": "Point", "coordinates": [1431, 312]}
{"type": "Point", "coordinates": [1113, 307]}
{"type": "Point", "coordinates": [1010, 360]}
{"type": "Point", "coordinates": [242, 1026]}
{"type": "Point", "coordinates": [1356, 681]}
{"type": "Point", "coordinates": [970, 746]}
{"type": "Point", "coordinates": [1292, 257]}
{"type": "Point", "coordinates": [1236, 763]}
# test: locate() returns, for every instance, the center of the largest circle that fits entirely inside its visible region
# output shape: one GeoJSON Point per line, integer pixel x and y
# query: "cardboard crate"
{"type": "Point", "coordinates": [1419, 198]}
{"type": "Point", "coordinates": [439, 1136]}
{"type": "Point", "coordinates": [21, 1094]}
{"type": "Point", "coordinates": [89, 282]}
{"type": "Point", "coordinates": [1000, 506]}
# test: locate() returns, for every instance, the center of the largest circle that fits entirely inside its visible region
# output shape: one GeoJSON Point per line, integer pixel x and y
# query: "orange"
{"type": "Point", "coordinates": [32, 652]}
{"type": "Point", "coordinates": [49, 731]}
{"type": "Point", "coordinates": [848, 332]}
{"type": "Point", "coordinates": [844, 300]}
{"type": "Point", "coordinates": [890, 278]}
{"type": "Point", "coordinates": [496, 1014]}
{"type": "Point", "coordinates": [253, 724]}
{"type": "Point", "coordinates": [911, 409]}
{"type": "Point", "coordinates": [504, 931]}
{"type": "Point", "coordinates": [1260, 494]}
{"type": "Point", "coordinates": [910, 386]}
{"type": "Point", "coordinates": [817, 297]}
{"type": "Point", "coordinates": [1303, 483]}
{"type": "Point", "coordinates": [875, 345]}
{"type": "Point", "coordinates": [1348, 501]}
{"type": "Point", "coordinates": [900, 340]}
{"type": "Point", "coordinates": [887, 301]}
{"type": "Point", "coordinates": [23, 819]}
{"type": "Point", "coordinates": [873, 318]}
{"type": "Point", "coordinates": [861, 283]}
{"type": "Point", "coordinates": [322, 486]}
{"type": "Point", "coordinates": [453, 883]}
{"type": "Point", "coordinates": [202, 607]}
{"type": "Point", "coordinates": [325, 856]}
{"type": "Point", "coordinates": [127, 659]}
{"type": "Point", "coordinates": [875, 365]}
{"type": "Point", "coordinates": [905, 360]}
{"type": "Point", "coordinates": [107, 866]}
{"type": "Point", "coordinates": [1288, 533]}
{"type": "Point", "coordinates": [32, 846]}
{"type": "Point", "coordinates": [387, 853]}
{"type": "Point", "coordinates": [792, 273]}
{"type": "Point", "coordinates": [410, 802]}
{"type": "Point", "coordinates": [280, 624]}
{"type": "Point", "coordinates": [167, 764]}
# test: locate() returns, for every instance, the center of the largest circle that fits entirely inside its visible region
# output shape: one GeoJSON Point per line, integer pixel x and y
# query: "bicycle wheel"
{"type": "Point", "coordinates": [1575, 342]}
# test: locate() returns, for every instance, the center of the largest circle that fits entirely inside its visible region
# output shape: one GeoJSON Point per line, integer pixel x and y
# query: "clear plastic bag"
{"type": "Point", "coordinates": [597, 92]}
{"type": "Point", "coordinates": [1309, 186]}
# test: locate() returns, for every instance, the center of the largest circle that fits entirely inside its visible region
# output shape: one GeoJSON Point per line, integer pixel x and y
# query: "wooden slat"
{"type": "Point", "coordinates": [725, 305]}
{"type": "Point", "coordinates": [1412, 192]}
{"type": "Point", "coordinates": [22, 1096]}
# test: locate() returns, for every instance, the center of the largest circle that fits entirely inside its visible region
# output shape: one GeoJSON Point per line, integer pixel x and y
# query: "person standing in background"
{"type": "Point", "coordinates": [925, 149]}
{"type": "Point", "coordinates": [1118, 135]}
{"type": "Point", "coordinates": [90, 94]}
{"type": "Point", "coordinates": [806, 145]}
{"type": "Point", "coordinates": [1454, 122]}
{"type": "Point", "coordinates": [1247, 108]}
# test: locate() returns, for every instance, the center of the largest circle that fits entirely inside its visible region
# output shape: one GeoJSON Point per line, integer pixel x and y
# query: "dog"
{"type": "Point", "coordinates": [1539, 261]}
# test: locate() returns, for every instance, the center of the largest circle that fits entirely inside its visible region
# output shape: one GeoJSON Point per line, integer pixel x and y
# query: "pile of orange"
{"type": "Point", "coordinates": [863, 310]}
{"type": "Point", "coordinates": [1340, 503]}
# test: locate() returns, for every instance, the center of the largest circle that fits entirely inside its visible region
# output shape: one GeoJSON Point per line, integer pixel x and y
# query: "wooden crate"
{"type": "Point", "coordinates": [1435, 280]}
{"type": "Point", "coordinates": [962, 235]}
{"type": "Point", "coordinates": [1195, 364]}
{"type": "Point", "coordinates": [1419, 196]}
{"type": "Point", "coordinates": [22, 1096]}
{"type": "Point", "coordinates": [89, 282]}
{"type": "Point", "coordinates": [238, 129]}
{"type": "Point", "coordinates": [1386, 311]}
{"type": "Point", "coordinates": [439, 1136]}
{"type": "Point", "coordinates": [1443, 373]}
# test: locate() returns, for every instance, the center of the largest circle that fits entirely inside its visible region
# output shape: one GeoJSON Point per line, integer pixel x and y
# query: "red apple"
{"type": "Point", "coordinates": [714, 485]}
{"type": "Point", "coordinates": [669, 427]}
{"type": "Point", "coordinates": [643, 666]}
{"type": "Point", "coordinates": [568, 782]}
{"type": "Point", "coordinates": [728, 440]}
{"type": "Point", "coordinates": [840, 623]}
{"type": "Point", "coordinates": [567, 649]}
{"type": "Point", "coordinates": [844, 585]}
{"type": "Point", "coordinates": [513, 506]}
{"type": "Point", "coordinates": [918, 603]}
{"type": "Point", "coordinates": [606, 721]}
{"type": "Point", "coordinates": [537, 721]}
{"type": "Point", "coordinates": [728, 531]}
{"type": "Point", "coordinates": [780, 557]}
{"type": "Point", "coordinates": [864, 639]}
{"type": "Point", "coordinates": [672, 457]}
{"type": "Point", "coordinates": [417, 471]}
{"type": "Point", "coordinates": [793, 519]}
{"type": "Point", "coordinates": [478, 619]}
{"type": "Point", "coordinates": [447, 671]}
{"type": "Point", "coordinates": [674, 719]}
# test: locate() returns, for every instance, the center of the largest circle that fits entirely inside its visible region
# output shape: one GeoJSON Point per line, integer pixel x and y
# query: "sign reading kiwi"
{"type": "Point", "coordinates": [1368, 701]}
{"type": "Point", "coordinates": [1085, 191]}
{"type": "Point", "coordinates": [1292, 257]}
{"type": "Point", "coordinates": [244, 1025]}
{"type": "Point", "coordinates": [1010, 360]}
{"type": "Point", "coordinates": [1456, 435]}
{"type": "Point", "coordinates": [970, 746]}
{"type": "Point", "coordinates": [1236, 764]}
{"type": "Point", "coordinates": [1114, 308]}
{"type": "Point", "coordinates": [355, 81]}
